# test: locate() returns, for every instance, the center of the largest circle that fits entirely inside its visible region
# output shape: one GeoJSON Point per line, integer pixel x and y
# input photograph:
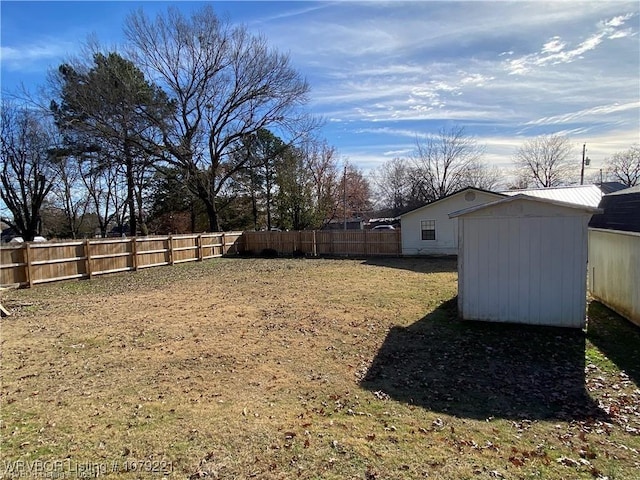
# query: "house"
{"type": "Point", "coordinates": [523, 259]}
{"type": "Point", "coordinates": [428, 230]}
{"type": "Point", "coordinates": [614, 253]}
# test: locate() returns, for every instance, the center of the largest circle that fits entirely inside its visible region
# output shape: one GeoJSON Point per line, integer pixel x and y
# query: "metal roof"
{"type": "Point", "coordinates": [527, 198]}
{"type": "Point", "coordinates": [584, 195]}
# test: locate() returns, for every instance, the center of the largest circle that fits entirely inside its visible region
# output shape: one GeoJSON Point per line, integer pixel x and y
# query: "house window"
{"type": "Point", "coordinates": [428, 228]}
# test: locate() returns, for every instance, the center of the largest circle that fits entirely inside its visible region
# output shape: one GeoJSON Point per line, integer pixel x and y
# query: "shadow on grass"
{"type": "Point", "coordinates": [417, 264]}
{"type": "Point", "coordinates": [617, 338]}
{"type": "Point", "coordinates": [481, 370]}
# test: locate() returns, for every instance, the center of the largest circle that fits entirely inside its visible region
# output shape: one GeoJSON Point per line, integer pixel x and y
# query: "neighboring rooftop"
{"type": "Point", "coordinates": [621, 211]}
{"type": "Point", "coordinates": [610, 187]}
{"type": "Point", "coordinates": [584, 195]}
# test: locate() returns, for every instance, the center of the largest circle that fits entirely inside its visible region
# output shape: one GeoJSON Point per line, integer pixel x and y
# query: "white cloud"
{"type": "Point", "coordinates": [476, 79]}
{"type": "Point", "coordinates": [554, 45]}
{"type": "Point", "coordinates": [555, 51]}
{"type": "Point", "coordinates": [396, 132]}
{"type": "Point", "coordinates": [618, 21]}
{"type": "Point", "coordinates": [592, 114]}
{"type": "Point", "coordinates": [628, 32]}
{"type": "Point", "coordinates": [25, 56]}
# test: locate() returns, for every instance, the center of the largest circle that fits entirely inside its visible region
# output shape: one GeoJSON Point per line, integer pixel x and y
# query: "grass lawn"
{"type": "Point", "coordinates": [305, 368]}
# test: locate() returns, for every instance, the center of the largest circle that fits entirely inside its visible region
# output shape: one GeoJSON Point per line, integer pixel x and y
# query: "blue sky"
{"type": "Point", "coordinates": [383, 73]}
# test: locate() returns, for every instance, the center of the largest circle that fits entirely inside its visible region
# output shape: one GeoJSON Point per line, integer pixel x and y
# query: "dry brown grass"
{"type": "Point", "coordinates": [254, 368]}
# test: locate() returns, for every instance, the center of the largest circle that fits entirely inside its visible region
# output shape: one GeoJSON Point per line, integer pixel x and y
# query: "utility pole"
{"type": "Point", "coordinates": [344, 196]}
{"type": "Point", "coordinates": [584, 151]}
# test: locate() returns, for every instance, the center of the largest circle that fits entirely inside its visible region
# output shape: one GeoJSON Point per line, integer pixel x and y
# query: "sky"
{"type": "Point", "coordinates": [384, 74]}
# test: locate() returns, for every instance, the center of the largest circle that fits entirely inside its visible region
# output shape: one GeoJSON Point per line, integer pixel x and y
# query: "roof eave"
{"type": "Point", "coordinates": [497, 194]}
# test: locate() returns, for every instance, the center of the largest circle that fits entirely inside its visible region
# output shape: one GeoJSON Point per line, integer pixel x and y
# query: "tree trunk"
{"type": "Point", "coordinates": [192, 212]}
{"type": "Point", "coordinates": [131, 200]}
{"type": "Point", "coordinates": [212, 213]}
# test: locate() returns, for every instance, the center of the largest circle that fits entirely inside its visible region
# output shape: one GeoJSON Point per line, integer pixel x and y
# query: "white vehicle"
{"type": "Point", "coordinates": [21, 240]}
{"type": "Point", "coordinates": [383, 227]}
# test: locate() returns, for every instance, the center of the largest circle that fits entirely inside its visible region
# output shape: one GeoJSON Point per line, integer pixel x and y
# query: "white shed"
{"type": "Point", "coordinates": [428, 230]}
{"type": "Point", "coordinates": [523, 260]}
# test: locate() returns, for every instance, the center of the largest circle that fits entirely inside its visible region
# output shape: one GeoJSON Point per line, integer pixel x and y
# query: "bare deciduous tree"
{"type": "Point", "coordinates": [443, 162]}
{"type": "Point", "coordinates": [226, 84]}
{"type": "Point", "coordinates": [322, 163]}
{"type": "Point", "coordinates": [545, 161]}
{"type": "Point", "coordinates": [481, 175]}
{"type": "Point", "coordinates": [624, 167]}
{"type": "Point", "coordinates": [355, 191]}
{"type": "Point", "coordinates": [27, 174]}
{"type": "Point", "coordinates": [67, 195]}
{"type": "Point", "coordinates": [392, 183]}
{"type": "Point", "coordinates": [107, 191]}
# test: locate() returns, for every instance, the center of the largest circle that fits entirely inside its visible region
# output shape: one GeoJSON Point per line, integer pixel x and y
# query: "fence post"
{"type": "Point", "coordinates": [170, 248]}
{"type": "Point", "coordinates": [235, 243]}
{"type": "Point", "coordinates": [199, 245]}
{"type": "Point", "coordinates": [134, 251]}
{"type": "Point", "coordinates": [87, 253]}
{"type": "Point", "coordinates": [314, 248]}
{"type": "Point", "coordinates": [28, 272]}
{"type": "Point", "coordinates": [366, 248]}
{"type": "Point", "coordinates": [223, 240]}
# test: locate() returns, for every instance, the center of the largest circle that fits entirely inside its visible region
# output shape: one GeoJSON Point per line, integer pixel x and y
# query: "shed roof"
{"type": "Point", "coordinates": [586, 195]}
{"type": "Point", "coordinates": [457, 192]}
{"type": "Point", "coordinates": [526, 198]}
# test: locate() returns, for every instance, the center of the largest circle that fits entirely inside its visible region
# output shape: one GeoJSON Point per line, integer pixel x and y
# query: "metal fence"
{"type": "Point", "coordinates": [34, 263]}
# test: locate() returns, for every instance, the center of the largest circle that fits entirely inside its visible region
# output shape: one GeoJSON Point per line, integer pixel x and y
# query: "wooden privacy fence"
{"type": "Point", "coordinates": [33, 263]}
{"type": "Point", "coordinates": [326, 242]}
